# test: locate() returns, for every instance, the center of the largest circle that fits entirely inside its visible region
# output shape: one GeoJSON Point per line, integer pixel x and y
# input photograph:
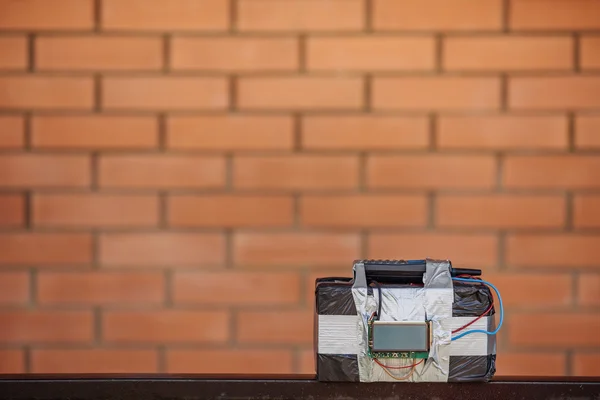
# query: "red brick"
{"type": "Point", "coordinates": [500, 211]}
{"type": "Point", "coordinates": [230, 132]}
{"type": "Point", "coordinates": [557, 15]}
{"type": "Point", "coordinates": [364, 211]}
{"type": "Point", "coordinates": [554, 92]}
{"type": "Point", "coordinates": [437, 15]}
{"type": "Point", "coordinates": [12, 210]}
{"type": "Point", "coordinates": [442, 93]}
{"type": "Point", "coordinates": [165, 15]}
{"type": "Point", "coordinates": [172, 326]}
{"type": "Point", "coordinates": [561, 171]}
{"type": "Point", "coordinates": [431, 171]}
{"type": "Point", "coordinates": [36, 326]}
{"type": "Point", "coordinates": [95, 210]}
{"type": "Point", "coordinates": [234, 54]}
{"type": "Point", "coordinates": [60, 249]}
{"type": "Point", "coordinates": [161, 171]}
{"type": "Point", "coordinates": [45, 15]}
{"type": "Point", "coordinates": [165, 249]}
{"type": "Point", "coordinates": [300, 92]}
{"type": "Point", "coordinates": [98, 53]}
{"type": "Point", "coordinates": [290, 327]}
{"type": "Point", "coordinates": [242, 288]}
{"type": "Point", "coordinates": [558, 250]}
{"type": "Point", "coordinates": [588, 293]}
{"type": "Point", "coordinates": [220, 361]}
{"type": "Point", "coordinates": [13, 52]}
{"type": "Point", "coordinates": [530, 290]}
{"type": "Point", "coordinates": [296, 172]}
{"type": "Point", "coordinates": [230, 211]}
{"type": "Point", "coordinates": [361, 133]}
{"type": "Point", "coordinates": [370, 53]}
{"type": "Point", "coordinates": [295, 249]}
{"type": "Point", "coordinates": [14, 287]}
{"type": "Point", "coordinates": [88, 361]}
{"type": "Point", "coordinates": [100, 288]}
{"type": "Point", "coordinates": [587, 128]}
{"type": "Point", "coordinates": [502, 132]}
{"type": "Point", "coordinates": [307, 362]}
{"type": "Point", "coordinates": [530, 364]}
{"type": "Point", "coordinates": [508, 53]}
{"type": "Point", "coordinates": [586, 211]}
{"type": "Point", "coordinates": [12, 362]}
{"type": "Point", "coordinates": [555, 330]}
{"type": "Point", "coordinates": [12, 135]}
{"type": "Point", "coordinates": [94, 132]}
{"type": "Point", "coordinates": [44, 170]}
{"type": "Point", "coordinates": [165, 93]}
{"type": "Point", "coordinates": [589, 52]}
{"type": "Point", "coordinates": [475, 250]}
{"type": "Point", "coordinates": [300, 15]}
{"type": "Point", "coordinates": [46, 92]}
{"type": "Point", "coordinates": [586, 364]}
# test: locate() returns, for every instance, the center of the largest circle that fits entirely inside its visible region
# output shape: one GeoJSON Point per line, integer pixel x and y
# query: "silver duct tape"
{"type": "Point", "coordinates": [337, 335]}
{"type": "Point", "coordinates": [433, 302]}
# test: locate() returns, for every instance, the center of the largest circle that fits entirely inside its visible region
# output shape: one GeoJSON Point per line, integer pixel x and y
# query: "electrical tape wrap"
{"type": "Point", "coordinates": [344, 306]}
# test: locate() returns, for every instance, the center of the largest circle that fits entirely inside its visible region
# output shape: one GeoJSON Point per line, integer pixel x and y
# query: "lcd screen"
{"type": "Point", "coordinates": [400, 336]}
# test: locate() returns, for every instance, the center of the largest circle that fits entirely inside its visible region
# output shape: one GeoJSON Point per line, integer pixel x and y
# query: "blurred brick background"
{"type": "Point", "coordinates": [174, 174]}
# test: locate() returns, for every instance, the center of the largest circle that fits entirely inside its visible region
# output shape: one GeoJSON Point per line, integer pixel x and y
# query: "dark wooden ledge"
{"type": "Point", "coordinates": [197, 387]}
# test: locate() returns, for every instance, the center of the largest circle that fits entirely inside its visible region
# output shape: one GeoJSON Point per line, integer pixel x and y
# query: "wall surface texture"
{"type": "Point", "coordinates": [174, 174]}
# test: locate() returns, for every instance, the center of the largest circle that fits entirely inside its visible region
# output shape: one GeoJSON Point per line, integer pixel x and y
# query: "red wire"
{"type": "Point", "coordinates": [475, 320]}
{"type": "Point", "coordinates": [407, 366]}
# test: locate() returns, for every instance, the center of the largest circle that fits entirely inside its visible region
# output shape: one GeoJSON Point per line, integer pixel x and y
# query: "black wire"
{"type": "Point", "coordinates": [379, 306]}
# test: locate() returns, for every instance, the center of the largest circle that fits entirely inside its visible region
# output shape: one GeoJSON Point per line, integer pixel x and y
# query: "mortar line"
{"type": "Point", "coordinates": [28, 210]}
{"type": "Point", "coordinates": [439, 52]}
{"type": "Point", "coordinates": [368, 92]}
{"type": "Point", "coordinates": [297, 132]}
{"type": "Point", "coordinates": [161, 358]}
{"type": "Point", "coordinates": [97, 15]}
{"type": "Point", "coordinates": [166, 49]}
{"type": "Point", "coordinates": [362, 172]}
{"type": "Point", "coordinates": [233, 15]}
{"type": "Point", "coordinates": [506, 15]}
{"type": "Point", "coordinates": [28, 131]}
{"type": "Point", "coordinates": [368, 5]}
{"type": "Point", "coordinates": [97, 93]}
{"type": "Point", "coordinates": [501, 250]}
{"type": "Point", "coordinates": [97, 325]}
{"type": "Point", "coordinates": [503, 93]}
{"type": "Point", "coordinates": [576, 52]}
{"type": "Point", "coordinates": [499, 172]}
{"type": "Point", "coordinates": [569, 205]}
{"type": "Point", "coordinates": [364, 244]}
{"type": "Point", "coordinates": [31, 42]}
{"type": "Point", "coordinates": [302, 54]}
{"type": "Point", "coordinates": [233, 83]}
{"type": "Point", "coordinates": [27, 359]}
{"type": "Point", "coordinates": [168, 276]}
{"type": "Point", "coordinates": [571, 131]}
{"type": "Point", "coordinates": [431, 206]}
{"type": "Point", "coordinates": [433, 134]}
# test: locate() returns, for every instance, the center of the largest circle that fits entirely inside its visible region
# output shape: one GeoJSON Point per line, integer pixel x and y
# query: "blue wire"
{"type": "Point", "coordinates": [501, 309]}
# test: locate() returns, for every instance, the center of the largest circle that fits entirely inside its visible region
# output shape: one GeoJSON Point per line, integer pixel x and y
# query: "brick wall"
{"type": "Point", "coordinates": [174, 174]}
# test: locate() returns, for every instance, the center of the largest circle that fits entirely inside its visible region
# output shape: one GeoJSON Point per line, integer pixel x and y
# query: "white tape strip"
{"type": "Point", "coordinates": [337, 335]}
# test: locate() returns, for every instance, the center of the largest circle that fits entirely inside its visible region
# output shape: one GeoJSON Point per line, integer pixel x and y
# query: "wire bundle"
{"type": "Point", "coordinates": [387, 368]}
{"type": "Point", "coordinates": [495, 331]}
